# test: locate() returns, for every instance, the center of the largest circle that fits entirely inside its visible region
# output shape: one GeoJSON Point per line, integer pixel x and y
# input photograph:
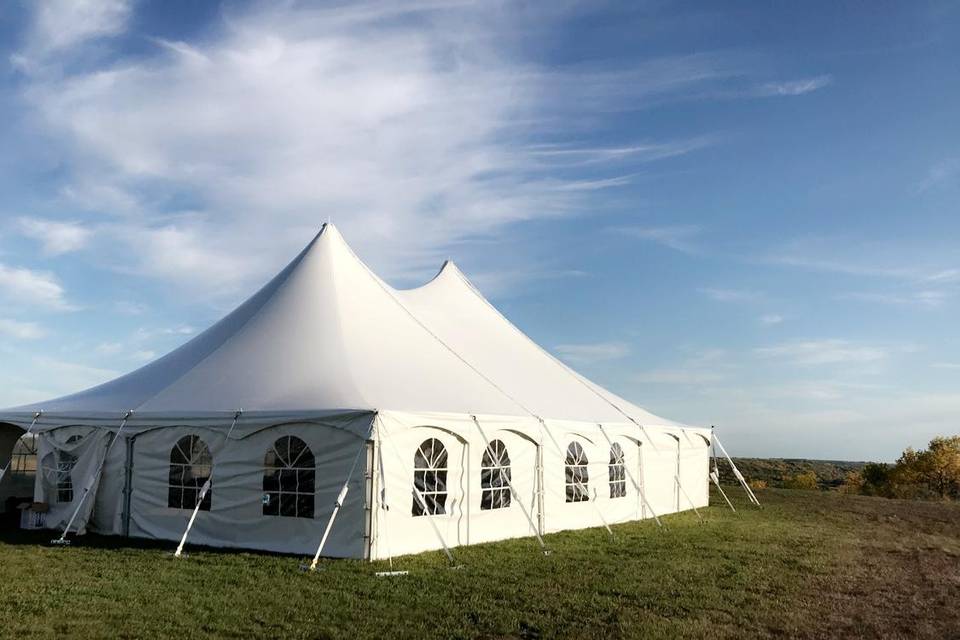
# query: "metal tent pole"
{"type": "Point", "coordinates": [736, 472]}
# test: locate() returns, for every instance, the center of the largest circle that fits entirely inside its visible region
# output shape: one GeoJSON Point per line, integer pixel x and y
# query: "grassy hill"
{"type": "Point", "coordinates": [773, 471]}
{"type": "Point", "coordinates": [809, 565]}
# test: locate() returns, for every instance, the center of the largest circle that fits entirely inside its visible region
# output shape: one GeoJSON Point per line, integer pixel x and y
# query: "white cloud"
{"type": "Point", "coordinates": [770, 319]}
{"type": "Point", "coordinates": [677, 237]}
{"type": "Point", "coordinates": [21, 330]}
{"type": "Point", "coordinates": [143, 355]}
{"type": "Point", "coordinates": [594, 352]}
{"type": "Point", "coordinates": [56, 238]}
{"type": "Point", "coordinates": [20, 286]}
{"type": "Point", "coordinates": [818, 352]}
{"type": "Point", "coordinates": [730, 295]}
{"type": "Point", "coordinates": [796, 87]}
{"type": "Point", "coordinates": [61, 25]}
{"type": "Point", "coordinates": [946, 365]}
{"type": "Point", "coordinates": [412, 134]}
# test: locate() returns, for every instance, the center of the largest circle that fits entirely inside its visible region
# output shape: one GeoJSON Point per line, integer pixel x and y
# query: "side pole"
{"type": "Point", "coordinates": [336, 508]}
{"type": "Point", "coordinates": [203, 494]}
{"type": "Point", "coordinates": [29, 430]}
{"type": "Point", "coordinates": [62, 540]}
{"type": "Point", "coordinates": [737, 473]}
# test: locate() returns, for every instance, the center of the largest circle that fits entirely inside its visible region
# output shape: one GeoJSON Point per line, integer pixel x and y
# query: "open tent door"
{"type": "Point", "coordinates": [68, 460]}
{"type": "Point", "coordinates": [17, 482]}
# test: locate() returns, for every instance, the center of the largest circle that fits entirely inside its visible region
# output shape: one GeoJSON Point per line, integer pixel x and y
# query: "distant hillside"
{"type": "Point", "coordinates": [773, 471]}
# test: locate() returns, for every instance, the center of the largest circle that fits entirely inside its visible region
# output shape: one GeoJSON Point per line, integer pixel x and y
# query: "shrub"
{"type": "Point", "coordinates": [757, 485]}
{"type": "Point", "coordinates": [806, 481]}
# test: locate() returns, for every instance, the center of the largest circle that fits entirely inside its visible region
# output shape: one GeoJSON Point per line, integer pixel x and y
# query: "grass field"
{"type": "Point", "coordinates": [810, 564]}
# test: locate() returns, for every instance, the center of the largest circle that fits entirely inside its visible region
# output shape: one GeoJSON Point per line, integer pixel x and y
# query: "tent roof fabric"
{"type": "Point", "coordinates": [327, 333]}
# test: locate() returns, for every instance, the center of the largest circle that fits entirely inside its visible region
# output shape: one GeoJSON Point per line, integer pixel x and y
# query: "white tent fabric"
{"type": "Point", "coordinates": [330, 352]}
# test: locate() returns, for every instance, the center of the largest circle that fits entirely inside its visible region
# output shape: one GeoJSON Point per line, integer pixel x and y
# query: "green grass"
{"type": "Point", "coordinates": [810, 564]}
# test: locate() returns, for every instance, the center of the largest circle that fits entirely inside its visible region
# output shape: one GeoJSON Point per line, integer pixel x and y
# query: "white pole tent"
{"type": "Point", "coordinates": [474, 431]}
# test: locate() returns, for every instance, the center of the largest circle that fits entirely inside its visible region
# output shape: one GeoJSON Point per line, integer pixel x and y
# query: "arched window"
{"type": "Point", "coordinates": [66, 461]}
{"type": "Point", "coordinates": [618, 472]}
{"type": "Point", "coordinates": [190, 468]}
{"type": "Point", "coordinates": [495, 477]}
{"type": "Point", "coordinates": [288, 479]}
{"type": "Point", "coordinates": [577, 474]}
{"type": "Point", "coordinates": [430, 478]}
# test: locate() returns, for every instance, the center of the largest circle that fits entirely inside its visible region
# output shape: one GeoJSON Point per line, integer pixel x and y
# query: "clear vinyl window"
{"type": "Point", "coordinates": [190, 467]}
{"type": "Point", "coordinates": [577, 474]}
{"type": "Point", "coordinates": [289, 479]}
{"type": "Point", "coordinates": [617, 472]}
{"type": "Point", "coordinates": [495, 477]}
{"type": "Point", "coordinates": [430, 478]}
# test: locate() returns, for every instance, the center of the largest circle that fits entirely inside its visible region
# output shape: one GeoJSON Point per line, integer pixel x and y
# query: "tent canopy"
{"type": "Point", "coordinates": [327, 334]}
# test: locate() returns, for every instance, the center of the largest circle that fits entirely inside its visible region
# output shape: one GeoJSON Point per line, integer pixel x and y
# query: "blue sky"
{"type": "Point", "coordinates": [744, 216]}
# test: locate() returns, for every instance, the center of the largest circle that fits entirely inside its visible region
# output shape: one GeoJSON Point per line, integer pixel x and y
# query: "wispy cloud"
{"type": "Point", "coordinates": [460, 138]}
{"type": "Point", "coordinates": [19, 286]}
{"type": "Point", "coordinates": [677, 237]}
{"type": "Point", "coordinates": [593, 352]}
{"type": "Point", "coordinates": [730, 295]}
{"type": "Point", "coordinates": [55, 238]}
{"type": "Point", "coordinates": [796, 87]}
{"type": "Point", "coordinates": [946, 365]}
{"type": "Point", "coordinates": [60, 25]}
{"type": "Point", "coordinates": [21, 330]}
{"type": "Point", "coordinates": [823, 352]}
{"type": "Point", "coordinates": [571, 155]}
{"type": "Point", "coordinates": [771, 319]}
{"type": "Point", "coordinates": [927, 299]}
{"type": "Point", "coordinates": [942, 173]}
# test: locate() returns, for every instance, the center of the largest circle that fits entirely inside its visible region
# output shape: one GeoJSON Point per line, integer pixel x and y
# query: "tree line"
{"type": "Point", "coordinates": [931, 473]}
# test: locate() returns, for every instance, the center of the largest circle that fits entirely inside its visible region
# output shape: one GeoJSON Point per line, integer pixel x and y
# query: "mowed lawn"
{"type": "Point", "coordinates": [809, 564]}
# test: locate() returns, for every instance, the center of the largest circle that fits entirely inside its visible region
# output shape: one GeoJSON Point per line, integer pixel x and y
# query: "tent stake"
{"type": "Point", "coordinates": [62, 540]}
{"type": "Point", "coordinates": [36, 417]}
